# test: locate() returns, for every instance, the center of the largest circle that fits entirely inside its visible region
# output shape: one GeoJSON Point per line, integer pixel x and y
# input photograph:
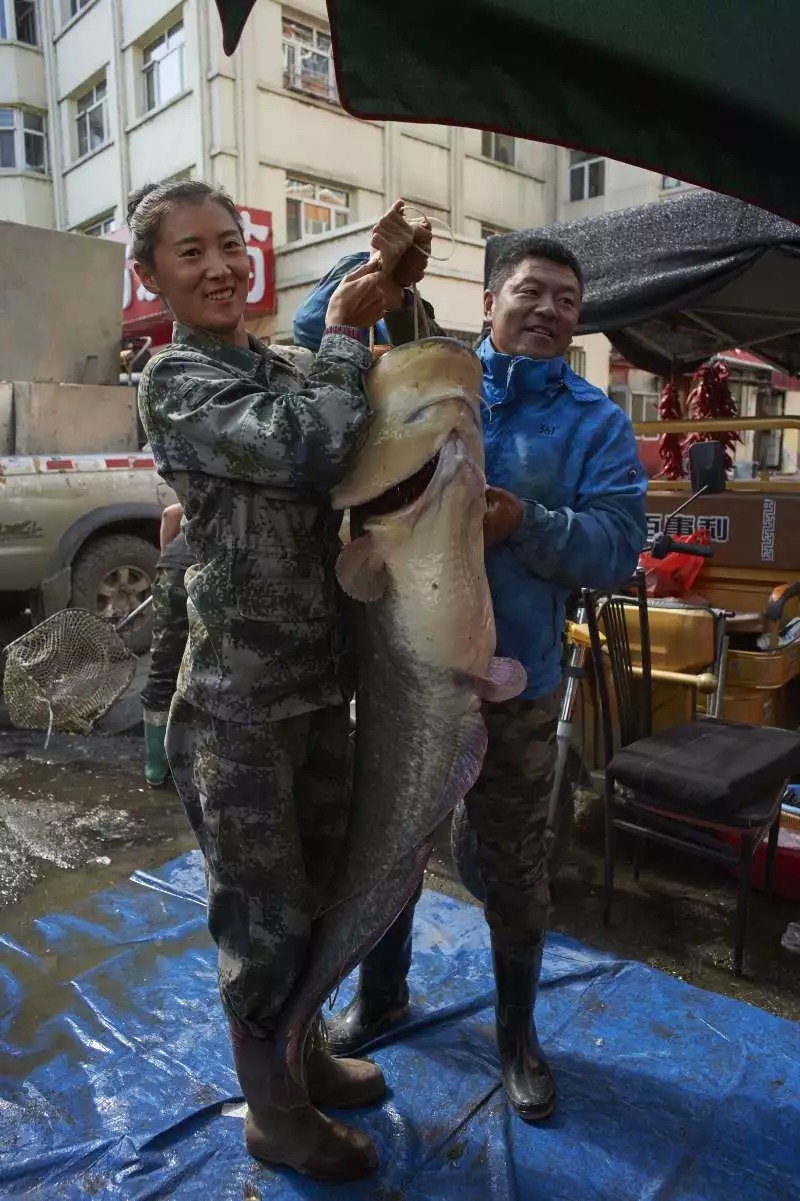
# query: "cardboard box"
{"type": "Point", "coordinates": [747, 529]}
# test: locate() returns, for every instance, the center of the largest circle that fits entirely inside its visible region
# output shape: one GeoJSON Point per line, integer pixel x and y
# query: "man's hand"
{"type": "Point", "coordinates": [170, 525]}
{"type": "Point", "coordinates": [503, 516]}
{"type": "Point", "coordinates": [363, 296]}
{"type": "Point", "coordinates": [412, 266]}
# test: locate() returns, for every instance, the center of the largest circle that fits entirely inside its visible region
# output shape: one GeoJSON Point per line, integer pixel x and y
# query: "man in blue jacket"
{"type": "Point", "coordinates": [566, 510]}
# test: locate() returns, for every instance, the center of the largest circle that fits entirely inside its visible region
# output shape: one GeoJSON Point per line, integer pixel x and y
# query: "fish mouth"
{"type": "Point", "coordinates": [403, 495]}
{"type": "Point", "coordinates": [421, 487]}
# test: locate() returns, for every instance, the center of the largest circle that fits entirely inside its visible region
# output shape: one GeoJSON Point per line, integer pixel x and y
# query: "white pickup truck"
{"type": "Point", "coordinates": [80, 530]}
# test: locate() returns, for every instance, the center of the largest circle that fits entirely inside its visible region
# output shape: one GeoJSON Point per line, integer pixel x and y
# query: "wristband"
{"type": "Point", "coordinates": [348, 331]}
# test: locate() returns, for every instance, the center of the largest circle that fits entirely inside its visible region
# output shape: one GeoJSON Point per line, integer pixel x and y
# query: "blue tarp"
{"type": "Point", "coordinates": [116, 1080]}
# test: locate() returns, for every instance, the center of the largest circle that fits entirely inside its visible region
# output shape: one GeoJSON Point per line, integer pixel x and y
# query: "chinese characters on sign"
{"type": "Point", "coordinates": [768, 515]}
{"type": "Point", "coordinates": [686, 523]}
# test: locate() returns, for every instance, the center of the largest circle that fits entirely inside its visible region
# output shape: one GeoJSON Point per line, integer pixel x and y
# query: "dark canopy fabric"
{"type": "Point", "coordinates": [705, 90]}
{"type": "Point", "coordinates": [672, 283]}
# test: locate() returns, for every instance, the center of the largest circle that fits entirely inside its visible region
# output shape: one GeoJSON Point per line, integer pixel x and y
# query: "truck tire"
{"type": "Point", "coordinates": [464, 845]}
{"type": "Point", "coordinates": [113, 575]}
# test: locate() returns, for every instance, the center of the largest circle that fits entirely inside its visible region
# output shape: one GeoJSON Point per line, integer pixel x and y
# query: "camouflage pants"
{"type": "Point", "coordinates": [507, 809]}
{"type": "Point", "coordinates": [170, 631]}
{"type": "Point", "coordinates": [268, 805]}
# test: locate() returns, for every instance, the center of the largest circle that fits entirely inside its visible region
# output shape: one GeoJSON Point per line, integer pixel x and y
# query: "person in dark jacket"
{"type": "Point", "coordinates": [170, 631]}
{"type": "Point", "coordinates": [258, 731]}
{"type": "Point", "coordinates": [566, 509]}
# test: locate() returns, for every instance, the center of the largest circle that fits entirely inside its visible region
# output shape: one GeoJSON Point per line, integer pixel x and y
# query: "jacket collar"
{"type": "Point", "coordinates": [513, 376]}
{"type": "Point", "coordinates": [248, 360]}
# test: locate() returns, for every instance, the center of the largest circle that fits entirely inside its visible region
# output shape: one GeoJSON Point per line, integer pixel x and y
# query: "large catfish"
{"type": "Point", "coordinates": [425, 639]}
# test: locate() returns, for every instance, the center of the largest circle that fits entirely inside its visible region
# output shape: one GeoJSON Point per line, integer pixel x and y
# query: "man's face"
{"type": "Point", "coordinates": [536, 310]}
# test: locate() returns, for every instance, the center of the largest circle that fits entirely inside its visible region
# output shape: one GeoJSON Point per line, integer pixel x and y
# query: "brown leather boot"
{"type": "Point", "coordinates": [339, 1083]}
{"type": "Point", "coordinates": [283, 1127]}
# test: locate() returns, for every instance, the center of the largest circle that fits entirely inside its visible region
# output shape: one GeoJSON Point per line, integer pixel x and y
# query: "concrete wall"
{"type": "Point", "coordinates": [59, 306]}
{"type": "Point", "coordinates": [66, 419]}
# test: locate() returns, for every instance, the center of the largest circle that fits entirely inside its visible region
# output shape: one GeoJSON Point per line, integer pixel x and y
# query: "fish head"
{"type": "Point", "coordinates": [436, 530]}
{"type": "Point", "coordinates": [421, 394]}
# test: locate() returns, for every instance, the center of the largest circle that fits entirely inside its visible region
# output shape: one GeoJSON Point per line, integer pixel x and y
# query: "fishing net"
{"type": "Point", "coordinates": [65, 673]}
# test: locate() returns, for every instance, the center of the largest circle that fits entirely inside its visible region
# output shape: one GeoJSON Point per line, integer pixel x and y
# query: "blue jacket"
{"type": "Point", "coordinates": [309, 320]}
{"type": "Point", "coordinates": [569, 453]}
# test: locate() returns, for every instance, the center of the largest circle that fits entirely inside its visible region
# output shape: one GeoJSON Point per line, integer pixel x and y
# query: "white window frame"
{"type": "Point", "coordinates": [9, 29]}
{"type": "Point", "coordinates": [488, 230]}
{"type": "Point", "coordinates": [21, 165]}
{"type": "Point", "coordinates": [100, 227]}
{"type": "Point", "coordinates": [299, 54]}
{"type": "Point", "coordinates": [173, 41]}
{"type": "Point", "coordinates": [576, 358]}
{"type": "Point", "coordinates": [336, 210]}
{"type": "Point", "coordinates": [497, 147]}
{"type": "Point", "coordinates": [83, 117]}
{"type": "Point", "coordinates": [73, 8]}
{"type": "Point", "coordinates": [580, 167]}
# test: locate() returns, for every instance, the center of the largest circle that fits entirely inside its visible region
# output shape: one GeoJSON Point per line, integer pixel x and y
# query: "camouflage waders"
{"type": "Point", "coordinates": [170, 630]}
{"type": "Point", "coordinates": [507, 809]}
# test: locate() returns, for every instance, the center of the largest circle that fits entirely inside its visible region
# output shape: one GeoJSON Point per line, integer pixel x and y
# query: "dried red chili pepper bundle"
{"type": "Point", "coordinates": [710, 399]}
{"type": "Point", "coordinates": [670, 446]}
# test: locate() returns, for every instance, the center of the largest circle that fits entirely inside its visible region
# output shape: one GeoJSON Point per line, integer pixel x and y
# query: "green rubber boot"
{"type": "Point", "coordinates": [156, 766]}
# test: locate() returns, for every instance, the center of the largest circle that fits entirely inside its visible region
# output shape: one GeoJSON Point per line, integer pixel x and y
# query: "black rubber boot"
{"type": "Point", "coordinates": [527, 1079]}
{"type": "Point", "coordinates": [283, 1127]}
{"type": "Point", "coordinates": [382, 996]}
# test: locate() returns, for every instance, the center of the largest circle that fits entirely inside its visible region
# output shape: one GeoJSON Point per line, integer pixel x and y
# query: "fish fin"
{"type": "Point", "coordinates": [361, 571]}
{"type": "Point", "coordinates": [506, 679]}
{"type": "Point", "coordinates": [340, 939]}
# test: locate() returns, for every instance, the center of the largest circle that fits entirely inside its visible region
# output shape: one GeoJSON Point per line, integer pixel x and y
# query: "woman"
{"type": "Point", "coordinates": [258, 730]}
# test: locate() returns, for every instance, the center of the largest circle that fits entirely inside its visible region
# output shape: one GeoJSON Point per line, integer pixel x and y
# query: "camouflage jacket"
{"type": "Point", "coordinates": [252, 449]}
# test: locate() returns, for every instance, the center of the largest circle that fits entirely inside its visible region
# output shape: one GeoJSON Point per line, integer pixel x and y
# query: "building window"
{"type": "Point", "coordinates": [669, 182]}
{"type": "Point", "coordinates": [314, 208]}
{"type": "Point", "coordinates": [491, 231]}
{"type": "Point", "coordinates": [18, 22]}
{"type": "Point", "coordinates": [308, 60]}
{"type": "Point", "coordinates": [99, 228]}
{"type": "Point", "coordinates": [587, 175]}
{"type": "Point", "coordinates": [499, 147]}
{"type": "Point", "coordinates": [73, 7]}
{"type": "Point", "coordinates": [162, 67]}
{"type": "Point", "coordinates": [576, 358]}
{"type": "Point", "coordinates": [90, 119]}
{"type": "Point", "coordinates": [23, 145]}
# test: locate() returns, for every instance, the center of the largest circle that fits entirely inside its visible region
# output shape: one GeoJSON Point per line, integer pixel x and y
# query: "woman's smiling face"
{"type": "Point", "coordinates": [201, 268]}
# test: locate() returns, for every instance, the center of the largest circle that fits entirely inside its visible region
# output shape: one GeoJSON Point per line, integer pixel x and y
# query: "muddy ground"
{"type": "Point", "coordinates": [78, 817]}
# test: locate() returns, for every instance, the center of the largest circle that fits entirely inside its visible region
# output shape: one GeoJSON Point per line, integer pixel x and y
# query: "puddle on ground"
{"type": "Point", "coordinates": [69, 827]}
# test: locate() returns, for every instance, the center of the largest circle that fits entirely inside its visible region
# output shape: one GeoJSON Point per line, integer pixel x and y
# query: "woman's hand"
{"type": "Point", "coordinates": [392, 237]}
{"type": "Point", "coordinates": [170, 525]}
{"type": "Point", "coordinates": [412, 266]}
{"type": "Point", "coordinates": [363, 296]}
{"type": "Point", "coordinates": [503, 517]}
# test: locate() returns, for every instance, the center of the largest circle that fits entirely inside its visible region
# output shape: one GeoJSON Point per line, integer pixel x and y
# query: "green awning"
{"type": "Point", "coordinates": [707, 91]}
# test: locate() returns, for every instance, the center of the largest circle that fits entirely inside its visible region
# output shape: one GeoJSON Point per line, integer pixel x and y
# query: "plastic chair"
{"type": "Point", "coordinates": [680, 785]}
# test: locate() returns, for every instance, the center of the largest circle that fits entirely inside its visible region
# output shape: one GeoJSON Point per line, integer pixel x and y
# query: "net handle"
{"type": "Point", "coordinates": [139, 609]}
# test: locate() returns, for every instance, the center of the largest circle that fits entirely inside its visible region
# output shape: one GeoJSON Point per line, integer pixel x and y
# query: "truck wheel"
{"type": "Point", "coordinates": [464, 843]}
{"type": "Point", "coordinates": [111, 577]}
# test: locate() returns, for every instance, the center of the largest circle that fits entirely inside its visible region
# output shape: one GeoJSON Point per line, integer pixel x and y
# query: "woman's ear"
{"type": "Point", "coordinates": [146, 278]}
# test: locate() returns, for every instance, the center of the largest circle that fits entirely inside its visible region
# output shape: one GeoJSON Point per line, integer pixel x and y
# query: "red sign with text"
{"type": "Point", "coordinates": [142, 313]}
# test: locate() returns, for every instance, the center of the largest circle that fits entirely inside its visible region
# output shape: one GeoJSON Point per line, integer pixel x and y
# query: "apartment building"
{"type": "Point", "coordinates": [99, 96]}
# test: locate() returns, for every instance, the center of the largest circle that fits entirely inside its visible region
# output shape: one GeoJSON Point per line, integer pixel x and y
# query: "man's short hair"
{"type": "Point", "coordinates": [531, 247]}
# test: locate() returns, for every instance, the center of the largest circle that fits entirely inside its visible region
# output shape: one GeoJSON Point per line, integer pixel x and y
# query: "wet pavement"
{"type": "Point", "coordinates": [77, 818]}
